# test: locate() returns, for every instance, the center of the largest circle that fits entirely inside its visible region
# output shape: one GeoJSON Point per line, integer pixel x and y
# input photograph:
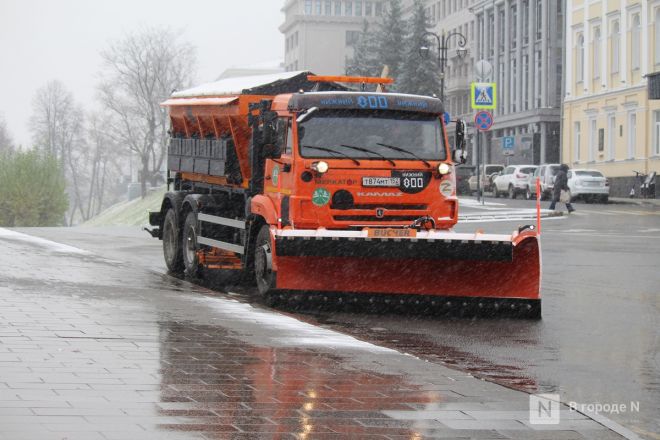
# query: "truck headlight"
{"type": "Point", "coordinates": [443, 169]}
{"type": "Point", "coordinates": [320, 167]}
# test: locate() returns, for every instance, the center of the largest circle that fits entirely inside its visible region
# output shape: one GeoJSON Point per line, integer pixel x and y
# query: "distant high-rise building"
{"type": "Point", "coordinates": [610, 124]}
{"type": "Point", "coordinates": [319, 34]}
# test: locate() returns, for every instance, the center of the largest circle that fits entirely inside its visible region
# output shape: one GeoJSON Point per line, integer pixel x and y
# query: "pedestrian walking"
{"type": "Point", "coordinates": [560, 190]}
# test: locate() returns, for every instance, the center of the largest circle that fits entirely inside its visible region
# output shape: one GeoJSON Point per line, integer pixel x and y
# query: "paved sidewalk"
{"type": "Point", "coordinates": [629, 201]}
{"type": "Point", "coordinates": [92, 348]}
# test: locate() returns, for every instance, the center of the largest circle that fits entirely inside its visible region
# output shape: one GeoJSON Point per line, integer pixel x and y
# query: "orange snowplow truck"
{"type": "Point", "coordinates": [334, 195]}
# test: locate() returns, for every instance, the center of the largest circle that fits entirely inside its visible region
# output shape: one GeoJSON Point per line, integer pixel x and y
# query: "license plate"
{"type": "Point", "coordinates": [391, 233]}
{"type": "Point", "coordinates": [381, 181]}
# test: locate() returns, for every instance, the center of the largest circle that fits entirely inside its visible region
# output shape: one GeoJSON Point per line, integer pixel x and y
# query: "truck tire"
{"type": "Point", "coordinates": [172, 243]}
{"type": "Point", "coordinates": [189, 246]}
{"type": "Point", "coordinates": [263, 270]}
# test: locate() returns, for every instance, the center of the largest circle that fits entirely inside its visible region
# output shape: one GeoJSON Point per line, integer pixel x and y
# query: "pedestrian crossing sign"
{"type": "Point", "coordinates": [483, 95]}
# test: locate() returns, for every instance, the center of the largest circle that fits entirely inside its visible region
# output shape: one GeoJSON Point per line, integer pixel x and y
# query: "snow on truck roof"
{"type": "Point", "coordinates": [235, 86]}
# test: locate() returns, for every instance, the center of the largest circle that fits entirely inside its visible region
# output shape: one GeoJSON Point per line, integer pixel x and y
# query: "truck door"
{"type": "Point", "coordinates": [279, 172]}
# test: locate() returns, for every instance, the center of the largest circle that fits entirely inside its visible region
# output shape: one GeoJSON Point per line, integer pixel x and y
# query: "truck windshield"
{"type": "Point", "coordinates": [418, 133]}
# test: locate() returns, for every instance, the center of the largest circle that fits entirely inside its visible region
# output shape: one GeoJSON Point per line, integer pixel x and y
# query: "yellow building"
{"type": "Point", "coordinates": [609, 123]}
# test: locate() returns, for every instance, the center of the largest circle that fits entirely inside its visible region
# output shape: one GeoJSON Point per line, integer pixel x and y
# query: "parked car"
{"type": "Point", "coordinates": [488, 172]}
{"type": "Point", "coordinates": [514, 180]}
{"type": "Point", "coordinates": [463, 174]}
{"type": "Point", "coordinates": [588, 185]}
{"type": "Point", "coordinates": [546, 173]}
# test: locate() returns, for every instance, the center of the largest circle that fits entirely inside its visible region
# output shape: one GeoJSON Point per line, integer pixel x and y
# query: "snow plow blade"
{"type": "Point", "coordinates": [435, 270]}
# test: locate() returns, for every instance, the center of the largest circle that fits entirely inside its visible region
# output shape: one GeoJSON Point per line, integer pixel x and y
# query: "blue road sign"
{"type": "Point", "coordinates": [508, 143]}
{"type": "Point", "coordinates": [447, 118]}
{"type": "Point", "coordinates": [483, 95]}
{"type": "Point", "coordinates": [483, 120]}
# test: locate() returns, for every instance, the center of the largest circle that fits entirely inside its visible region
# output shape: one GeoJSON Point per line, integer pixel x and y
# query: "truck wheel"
{"type": "Point", "coordinates": [171, 243]}
{"type": "Point", "coordinates": [189, 246]}
{"type": "Point", "coordinates": [263, 262]}
{"type": "Point", "coordinates": [512, 192]}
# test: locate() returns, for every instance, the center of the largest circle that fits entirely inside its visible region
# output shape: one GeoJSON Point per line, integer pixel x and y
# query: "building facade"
{"type": "Point", "coordinates": [319, 34]}
{"type": "Point", "coordinates": [523, 42]}
{"type": "Point", "coordinates": [609, 122]}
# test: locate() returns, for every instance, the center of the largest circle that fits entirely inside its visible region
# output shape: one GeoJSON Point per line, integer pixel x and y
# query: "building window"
{"type": "Point", "coordinates": [368, 8]}
{"type": "Point", "coordinates": [319, 7]}
{"type": "Point", "coordinates": [632, 134]}
{"type": "Point", "coordinates": [539, 19]}
{"type": "Point", "coordinates": [576, 142]}
{"type": "Point", "coordinates": [656, 133]}
{"type": "Point", "coordinates": [328, 7]}
{"type": "Point", "coordinates": [611, 134]}
{"type": "Point", "coordinates": [657, 36]}
{"type": "Point", "coordinates": [636, 48]}
{"type": "Point", "coordinates": [352, 37]}
{"type": "Point", "coordinates": [501, 30]}
{"type": "Point", "coordinates": [513, 35]}
{"type": "Point", "coordinates": [348, 9]}
{"type": "Point", "coordinates": [379, 9]}
{"type": "Point", "coordinates": [525, 82]}
{"type": "Point", "coordinates": [491, 34]}
{"type": "Point", "coordinates": [338, 7]}
{"type": "Point", "coordinates": [525, 21]}
{"type": "Point", "coordinates": [580, 58]}
{"type": "Point", "coordinates": [616, 47]}
{"type": "Point", "coordinates": [593, 140]}
{"type": "Point", "coordinates": [358, 8]}
{"type": "Point", "coordinates": [596, 54]}
{"type": "Point", "coordinates": [308, 7]}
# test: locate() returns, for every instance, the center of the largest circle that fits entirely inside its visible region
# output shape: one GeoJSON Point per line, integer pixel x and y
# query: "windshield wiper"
{"type": "Point", "coordinates": [365, 150]}
{"type": "Point", "coordinates": [403, 150]}
{"type": "Point", "coordinates": [330, 150]}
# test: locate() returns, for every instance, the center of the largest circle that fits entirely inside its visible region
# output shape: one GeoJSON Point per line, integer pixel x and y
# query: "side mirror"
{"type": "Point", "coordinates": [459, 156]}
{"type": "Point", "coordinates": [460, 134]}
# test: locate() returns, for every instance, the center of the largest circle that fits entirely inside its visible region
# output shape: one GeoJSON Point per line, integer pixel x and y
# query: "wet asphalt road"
{"type": "Point", "coordinates": [598, 342]}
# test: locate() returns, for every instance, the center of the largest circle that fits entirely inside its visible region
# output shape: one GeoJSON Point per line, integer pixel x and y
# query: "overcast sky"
{"type": "Point", "coordinates": [41, 40]}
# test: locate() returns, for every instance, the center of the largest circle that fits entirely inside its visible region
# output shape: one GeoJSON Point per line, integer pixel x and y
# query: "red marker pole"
{"type": "Point", "coordinates": [538, 206]}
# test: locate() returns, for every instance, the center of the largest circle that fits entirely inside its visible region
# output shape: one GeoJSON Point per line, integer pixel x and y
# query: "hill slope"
{"type": "Point", "coordinates": [133, 213]}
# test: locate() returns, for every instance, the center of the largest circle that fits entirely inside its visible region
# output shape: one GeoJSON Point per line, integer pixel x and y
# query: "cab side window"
{"type": "Point", "coordinates": [570, 174]}
{"type": "Point", "coordinates": [284, 135]}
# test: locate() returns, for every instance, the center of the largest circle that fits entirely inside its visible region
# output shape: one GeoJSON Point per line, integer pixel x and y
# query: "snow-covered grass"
{"type": "Point", "coordinates": [133, 213]}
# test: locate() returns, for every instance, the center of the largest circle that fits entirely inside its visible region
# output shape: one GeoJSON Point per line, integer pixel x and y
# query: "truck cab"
{"type": "Point", "coordinates": [350, 160]}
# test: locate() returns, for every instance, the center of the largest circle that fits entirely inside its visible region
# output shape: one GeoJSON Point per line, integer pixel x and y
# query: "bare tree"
{"type": "Point", "coordinates": [103, 160]}
{"type": "Point", "coordinates": [6, 143]}
{"type": "Point", "coordinates": [139, 72]}
{"type": "Point", "coordinates": [56, 126]}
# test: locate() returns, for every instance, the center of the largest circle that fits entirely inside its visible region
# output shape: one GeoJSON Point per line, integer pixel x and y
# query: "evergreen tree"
{"type": "Point", "coordinates": [419, 75]}
{"type": "Point", "coordinates": [33, 190]}
{"type": "Point", "coordinates": [391, 39]}
{"type": "Point", "coordinates": [364, 61]}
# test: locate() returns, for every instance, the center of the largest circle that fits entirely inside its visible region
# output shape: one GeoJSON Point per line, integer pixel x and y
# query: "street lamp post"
{"type": "Point", "coordinates": [443, 41]}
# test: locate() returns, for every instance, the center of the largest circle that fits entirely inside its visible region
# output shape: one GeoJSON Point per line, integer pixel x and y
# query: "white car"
{"type": "Point", "coordinates": [514, 180]}
{"type": "Point", "coordinates": [546, 173]}
{"type": "Point", "coordinates": [589, 185]}
{"type": "Point", "coordinates": [488, 173]}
